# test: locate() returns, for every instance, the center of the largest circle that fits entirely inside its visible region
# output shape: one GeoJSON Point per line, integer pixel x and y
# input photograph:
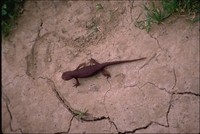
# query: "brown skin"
{"type": "Point", "coordinates": [87, 71]}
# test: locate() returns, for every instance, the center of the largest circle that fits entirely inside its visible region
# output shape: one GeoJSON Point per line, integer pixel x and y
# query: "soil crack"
{"type": "Point", "coordinates": [39, 29]}
{"type": "Point", "coordinates": [6, 99]}
{"type": "Point", "coordinates": [151, 83]}
{"type": "Point", "coordinates": [87, 117]}
{"type": "Point", "coordinates": [175, 79]}
{"type": "Point", "coordinates": [133, 131]}
{"type": "Point", "coordinates": [70, 124]}
{"type": "Point", "coordinates": [148, 61]}
{"type": "Point", "coordinates": [13, 80]}
{"type": "Point", "coordinates": [156, 41]}
{"type": "Point", "coordinates": [189, 93]}
{"type": "Point", "coordinates": [111, 122]}
{"type": "Point", "coordinates": [131, 9]}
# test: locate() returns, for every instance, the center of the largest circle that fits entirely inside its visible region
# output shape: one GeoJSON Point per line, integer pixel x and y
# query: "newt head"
{"type": "Point", "coordinates": [67, 75]}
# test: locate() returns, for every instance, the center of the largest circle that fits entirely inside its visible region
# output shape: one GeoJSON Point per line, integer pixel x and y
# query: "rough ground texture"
{"type": "Point", "coordinates": [159, 94]}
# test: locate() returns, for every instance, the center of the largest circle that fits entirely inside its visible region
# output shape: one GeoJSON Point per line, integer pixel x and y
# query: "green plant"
{"type": "Point", "coordinates": [155, 14]}
{"type": "Point", "coordinates": [99, 7]}
{"type": "Point", "coordinates": [193, 20]}
{"type": "Point", "coordinates": [82, 113]}
{"type": "Point", "coordinates": [92, 26]}
{"type": "Point", "coordinates": [93, 30]}
{"type": "Point", "coordinates": [143, 24]}
{"type": "Point", "coordinates": [111, 12]}
{"type": "Point", "coordinates": [181, 6]}
{"type": "Point", "coordinates": [10, 10]}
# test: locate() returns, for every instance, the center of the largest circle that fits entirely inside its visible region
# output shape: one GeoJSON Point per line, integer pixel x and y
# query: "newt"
{"type": "Point", "coordinates": [92, 69]}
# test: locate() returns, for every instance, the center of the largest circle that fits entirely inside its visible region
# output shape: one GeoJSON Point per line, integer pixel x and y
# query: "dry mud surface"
{"type": "Point", "coordinates": [157, 95]}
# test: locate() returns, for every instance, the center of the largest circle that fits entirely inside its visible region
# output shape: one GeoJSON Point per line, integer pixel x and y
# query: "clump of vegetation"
{"type": "Point", "coordinates": [112, 13]}
{"type": "Point", "coordinates": [155, 14]}
{"type": "Point", "coordinates": [82, 113]}
{"type": "Point", "coordinates": [10, 10]}
{"type": "Point", "coordinates": [99, 7]}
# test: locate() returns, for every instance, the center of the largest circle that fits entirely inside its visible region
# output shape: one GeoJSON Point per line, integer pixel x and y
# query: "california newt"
{"type": "Point", "coordinates": [87, 71]}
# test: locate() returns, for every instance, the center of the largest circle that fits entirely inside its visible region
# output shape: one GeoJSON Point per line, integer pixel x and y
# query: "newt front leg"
{"type": "Point", "coordinates": [77, 83]}
{"type": "Point", "coordinates": [81, 65]}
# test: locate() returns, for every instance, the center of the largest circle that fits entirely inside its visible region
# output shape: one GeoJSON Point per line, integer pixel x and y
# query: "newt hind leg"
{"type": "Point", "coordinates": [91, 61]}
{"type": "Point", "coordinates": [104, 72]}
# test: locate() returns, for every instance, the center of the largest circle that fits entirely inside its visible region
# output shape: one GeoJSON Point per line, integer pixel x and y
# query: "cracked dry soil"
{"type": "Point", "coordinates": [156, 95]}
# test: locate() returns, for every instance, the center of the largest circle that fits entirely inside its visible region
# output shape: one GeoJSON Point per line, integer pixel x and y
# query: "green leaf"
{"type": "Point", "coordinates": [99, 7]}
{"type": "Point", "coordinates": [11, 16]}
{"type": "Point", "coordinates": [3, 12]}
{"type": "Point", "coordinates": [4, 6]}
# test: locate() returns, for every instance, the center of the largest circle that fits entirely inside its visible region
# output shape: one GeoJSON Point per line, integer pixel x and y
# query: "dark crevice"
{"type": "Point", "coordinates": [18, 76]}
{"type": "Point", "coordinates": [31, 59]}
{"type": "Point", "coordinates": [162, 49]}
{"type": "Point", "coordinates": [131, 9]}
{"type": "Point", "coordinates": [13, 80]}
{"type": "Point", "coordinates": [170, 104]}
{"type": "Point", "coordinates": [6, 99]}
{"type": "Point", "coordinates": [39, 29]}
{"type": "Point", "coordinates": [175, 79]}
{"type": "Point", "coordinates": [7, 84]}
{"type": "Point", "coordinates": [162, 88]}
{"type": "Point", "coordinates": [168, 110]}
{"type": "Point", "coordinates": [94, 119]}
{"type": "Point", "coordinates": [87, 117]}
{"type": "Point", "coordinates": [104, 98]}
{"type": "Point", "coordinates": [62, 100]}
{"type": "Point", "coordinates": [133, 131]}
{"type": "Point", "coordinates": [144, 127]}
{"type": "Point", "coordinates": [31, 62]}
{"type": "Point", "coordinates": [156, 41]}
{"type": "Point", "coordinates": [161, 124]}
{"type": "Point", "coordinates": [68, 128]}
{"type": "Point", "coordinates": [36, 5]}
{"type": "Point", "coordinates": [189, 93]}
{"type": "Point", "coordinates": [41, 23]}
{"type": "Point", "coordinates": [148, 61]}
{"type": "Point", "coordinates": [155, 86]}
{"type": "Point", "coordinates": [113, 124]}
